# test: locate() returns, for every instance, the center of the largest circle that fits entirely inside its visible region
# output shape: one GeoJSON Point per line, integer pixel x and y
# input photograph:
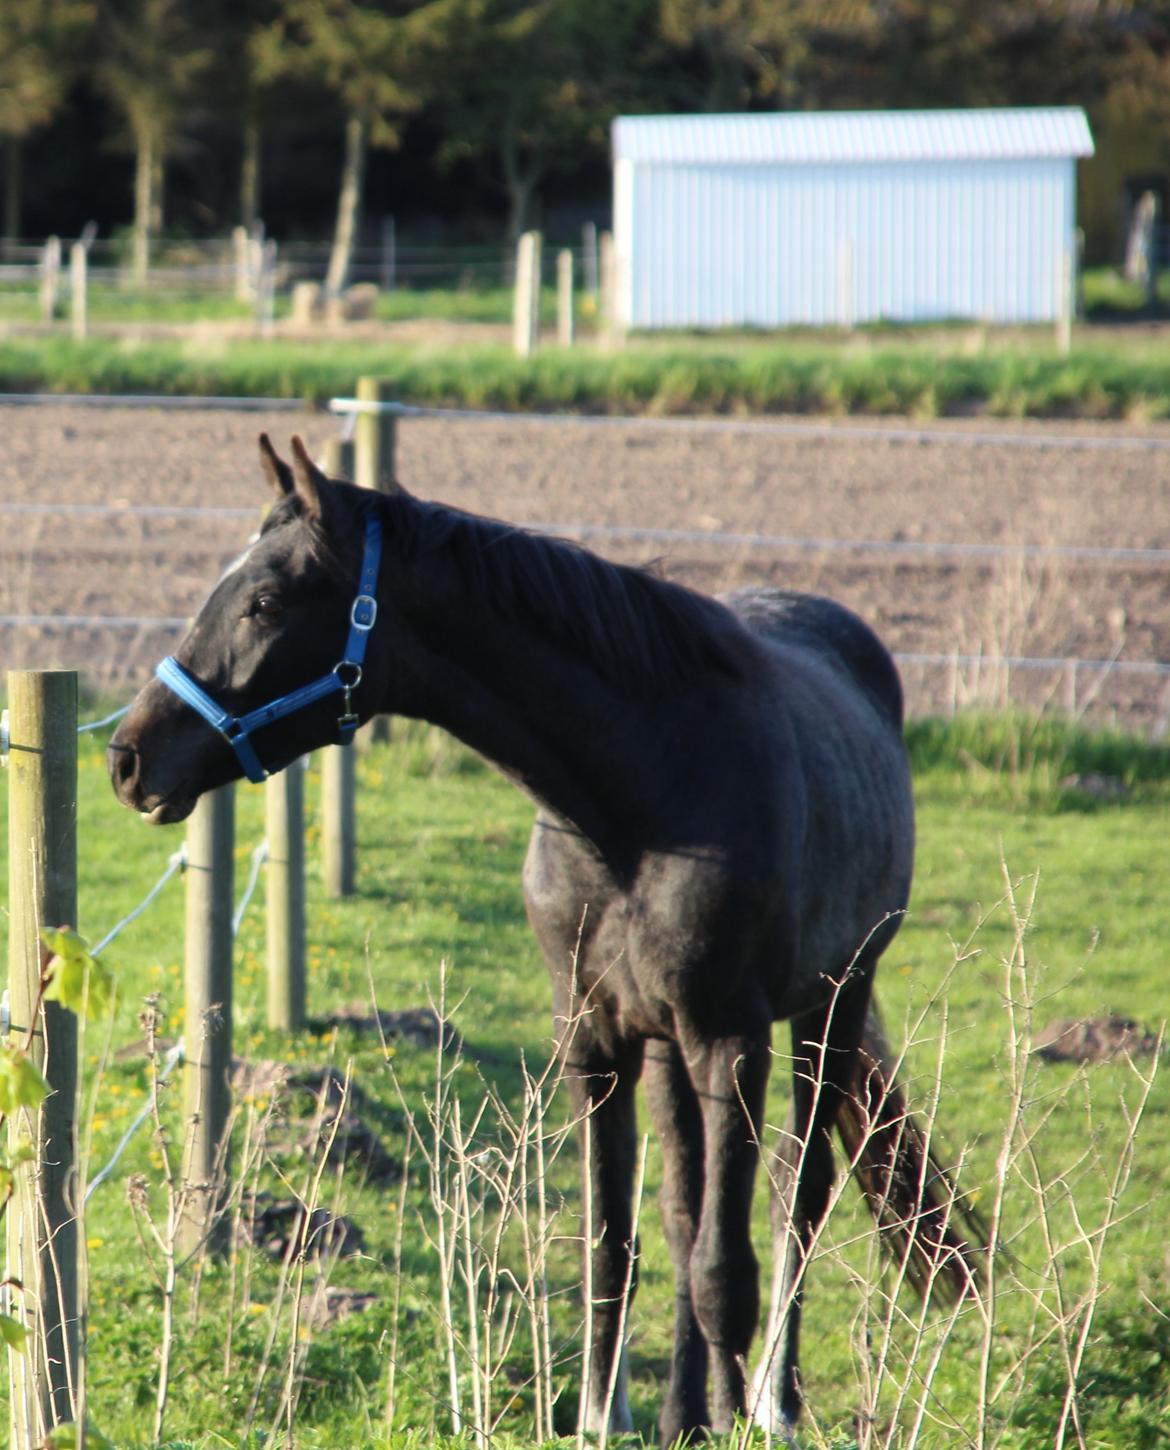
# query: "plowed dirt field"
{"type": "Point", "coordinates": [985, 554]}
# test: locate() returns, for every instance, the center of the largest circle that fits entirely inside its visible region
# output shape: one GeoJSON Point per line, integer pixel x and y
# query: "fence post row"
{"type": "Point", "coordinates": [208, 1013]}
{"type": "Point", "coordinates": [42, 892]}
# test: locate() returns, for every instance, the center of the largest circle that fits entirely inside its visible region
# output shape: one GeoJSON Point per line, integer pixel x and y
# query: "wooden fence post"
{"type": "Point", "coordinates": [526, 298]}
{"type": "Point", "coordinates": [42, 892]}
{"type": "Point", "coordinates": [284, 800]}
{"type": "Point", "coordinates": [589, 265]}
{"type": "Point", "coordinates": [374, 436]}
{"type": "Point", "coordinates": [79, 289]}
{"type": "Point", "coordinates": [241, 253]}
{"type": "Point", "coordinates": [338, 775]}
{"type": "Point", "coordinates": [375, 446]}
{"type": "Point", "coordinates": [565, 327]}
{"type": "Point", "coordinates": [208, 1025]}
{"type": "Point", "coordinates": [607, 289]}
{"type": "Point", "coordinates": [338, 819]}
{"type": "Point", "coordinates": [50, 278]}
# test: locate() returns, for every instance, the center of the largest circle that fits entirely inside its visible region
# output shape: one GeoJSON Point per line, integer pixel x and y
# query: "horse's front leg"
{"type": "Point", "coordinates": [730, 1075]}
{"type": "Point", "coordinates": [673, 1105]}
{"type": "Point", "coordinates": [603, 1087]}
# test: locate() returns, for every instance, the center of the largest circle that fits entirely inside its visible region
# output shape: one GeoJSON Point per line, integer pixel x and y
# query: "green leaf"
{"type": "Point", "coordinates": [22, 1085]}
{"type": "Point", "coordinates": [67, 1437]}
{"type": "Point", "coordinates": [77, 980]}
{"type": "Point", "coordinates": [12, 1332]}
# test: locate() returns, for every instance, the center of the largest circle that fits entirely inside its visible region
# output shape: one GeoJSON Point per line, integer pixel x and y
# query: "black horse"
{"type": "Point", "coordinates": [724, 839]}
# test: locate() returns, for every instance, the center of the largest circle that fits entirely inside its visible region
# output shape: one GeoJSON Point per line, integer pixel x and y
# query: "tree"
{"type": "Point", "coordinates": [39, 40]}
{"type": "Point", "coordinates": [732, 55]}
{"type": "Point", "coordinates": [533, 84]}
{"type": "Point", "coordinates": [378, 59]}
{"type": "Point", "coordinates": [149, 62]}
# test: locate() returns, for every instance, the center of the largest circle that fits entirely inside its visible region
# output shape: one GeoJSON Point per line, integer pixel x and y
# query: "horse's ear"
{"type": "Point", "coordinates": [307, 478]}
{"type": "Point", "coordinates": [276, 470]}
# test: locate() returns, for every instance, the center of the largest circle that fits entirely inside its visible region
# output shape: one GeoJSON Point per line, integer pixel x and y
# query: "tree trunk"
{"type": "Point", "coordinates": [521, 182]}
{"type": "Point", "coordinates": [349, 204]}
{"type": "Point", "coordinates": [12, 189]}
{"type": "Point", "coordinates": [144, 172]}
{"type": "Point", "coordinates": [250, 177]}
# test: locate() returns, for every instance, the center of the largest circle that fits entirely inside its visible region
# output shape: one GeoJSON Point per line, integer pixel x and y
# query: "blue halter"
{"type": "Point", "coordinates": [345, 676]}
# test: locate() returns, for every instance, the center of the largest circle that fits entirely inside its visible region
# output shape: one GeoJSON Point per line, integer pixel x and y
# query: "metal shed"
{"type": "Point", "coordinates": [826, 218]}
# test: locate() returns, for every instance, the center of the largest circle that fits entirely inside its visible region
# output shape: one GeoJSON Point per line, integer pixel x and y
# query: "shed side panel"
{"type": "Point", "coordinates": [767, 246]}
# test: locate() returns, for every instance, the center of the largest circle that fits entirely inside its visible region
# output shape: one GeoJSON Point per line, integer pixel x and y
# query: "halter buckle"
{"type": "Point", "coordinates": [364, 612]}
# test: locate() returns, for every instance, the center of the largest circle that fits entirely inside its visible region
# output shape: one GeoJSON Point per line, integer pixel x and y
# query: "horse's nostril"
{"type": "Point", "coordinates": [122, 763]}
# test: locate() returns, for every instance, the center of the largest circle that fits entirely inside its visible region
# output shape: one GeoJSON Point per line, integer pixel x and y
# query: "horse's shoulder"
{"type": "Point", "coordinates": [827, 629]}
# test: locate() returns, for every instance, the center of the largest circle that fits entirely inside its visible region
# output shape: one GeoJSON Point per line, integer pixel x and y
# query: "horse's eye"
{"type": "Point", "coordinates": [267, 606]}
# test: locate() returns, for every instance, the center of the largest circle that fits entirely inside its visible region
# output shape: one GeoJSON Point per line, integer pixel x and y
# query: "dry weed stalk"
{"type": "Point", "coordinates": [1044, 1275]}
{"type": "Point", "coordinates": [492, 1222]}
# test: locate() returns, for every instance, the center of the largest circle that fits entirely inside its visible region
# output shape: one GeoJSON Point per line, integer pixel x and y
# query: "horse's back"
{"type": "Point", "coordinates": [827, 630]}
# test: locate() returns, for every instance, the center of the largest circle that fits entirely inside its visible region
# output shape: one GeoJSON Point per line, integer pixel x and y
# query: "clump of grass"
{"type": "Point", "coordinates": [1030, 755]}
{"type": "Point", "coordinates": [680, 376]}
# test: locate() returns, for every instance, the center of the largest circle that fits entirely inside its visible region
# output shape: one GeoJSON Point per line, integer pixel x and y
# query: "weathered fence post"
{"type": "Point", "coordinates": [1065, 302]}
{"type": "Point", "coordinates": [265, 287]}
{"type": "Point", "coordinates": [284, 803]}
{"type": "Point", "coordinates": [241, 251]}
{"type": "Point", "coordinates": [50, 278]}
{"type": "Point", "coordinates": [526, 298]}
{"type": "Point", "coordinates": [42, 892]}
{"type": "Point", "coordinates": [338, 819]}
{"type": "Point", "coordinates": [589, 258]}
{"type": "Point", "coordinates": [208, 1026]}
{"type": "Point", "coordinates": [565, 328]}
{"type": "Point", "coordinates": [374, 437]}
{"type": "Point", "coordinates": [79, 289]}
{"type": "Point", "coordinates": [607, 288]}
{"type": "Point", "coordinates": [388, 269]}
{"type": "Point", "coordinates": [338, 773]}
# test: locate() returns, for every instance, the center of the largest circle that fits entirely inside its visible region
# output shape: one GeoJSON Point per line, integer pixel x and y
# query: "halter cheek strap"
{"type": "Point", "coordinates": [345, 676]}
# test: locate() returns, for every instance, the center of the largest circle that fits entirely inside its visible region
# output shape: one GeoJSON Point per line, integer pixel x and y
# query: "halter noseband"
{"type": "Point", "coordinates": [345, 676]}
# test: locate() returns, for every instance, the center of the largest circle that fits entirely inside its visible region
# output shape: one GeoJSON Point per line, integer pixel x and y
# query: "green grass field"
{"type": "Point", "coordinates": [441, 842]}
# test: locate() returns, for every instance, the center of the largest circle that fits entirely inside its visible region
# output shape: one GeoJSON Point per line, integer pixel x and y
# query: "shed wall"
{"type": "Point", "coordinates": [781, 245]}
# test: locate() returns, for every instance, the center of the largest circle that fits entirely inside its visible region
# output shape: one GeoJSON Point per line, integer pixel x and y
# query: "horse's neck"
{"type": "Point", "coordinates": [539, 712]}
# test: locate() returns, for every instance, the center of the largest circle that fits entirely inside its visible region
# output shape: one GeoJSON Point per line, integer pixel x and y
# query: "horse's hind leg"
{"type": "Point", "coordinates": [824, 1052]}
{"type": "Point", "coordinates": [674, 1107]}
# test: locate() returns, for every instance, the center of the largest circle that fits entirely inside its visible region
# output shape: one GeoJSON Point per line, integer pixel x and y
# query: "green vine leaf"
{"type": "Point", "coordinates": [76, 979]}
{"type": "Point", "coordinates": [22, 1084]}
{"type": "Point", "coordinates": [13, 1333]}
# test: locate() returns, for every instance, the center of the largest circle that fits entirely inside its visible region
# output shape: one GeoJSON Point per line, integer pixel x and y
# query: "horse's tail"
{"type": "Point", "coordinates": [927, 1225]}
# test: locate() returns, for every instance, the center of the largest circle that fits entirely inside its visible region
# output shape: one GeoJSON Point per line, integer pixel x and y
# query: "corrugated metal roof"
{"type": "Point", "coordinates": [795, 137]}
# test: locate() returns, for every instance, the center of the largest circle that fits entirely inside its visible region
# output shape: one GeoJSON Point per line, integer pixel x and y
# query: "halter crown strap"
{"type": "Point", "coordinates": [345, 676]}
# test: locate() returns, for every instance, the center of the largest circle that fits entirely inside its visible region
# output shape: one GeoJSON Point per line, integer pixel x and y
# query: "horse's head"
{"type": "Point", "coordinates": [280, 622]}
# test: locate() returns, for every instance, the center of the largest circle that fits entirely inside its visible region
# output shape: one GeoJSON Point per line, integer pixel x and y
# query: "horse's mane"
{"type": "Point", "coordinates": [643, 634]}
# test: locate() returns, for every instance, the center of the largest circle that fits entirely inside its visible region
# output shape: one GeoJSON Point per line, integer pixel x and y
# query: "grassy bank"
{"type": "Point", "coordinates": [920, 377]}
{"type": "Point", "coordinates": [1033, 901]}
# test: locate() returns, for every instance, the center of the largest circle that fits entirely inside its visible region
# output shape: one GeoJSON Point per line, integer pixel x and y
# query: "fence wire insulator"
{"type": "Point", "coordinates": [259, 856]}
{"type": "Point", "coordinates": [4, 737]}
{"type": "Point", "coordinates": [177, 862]}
